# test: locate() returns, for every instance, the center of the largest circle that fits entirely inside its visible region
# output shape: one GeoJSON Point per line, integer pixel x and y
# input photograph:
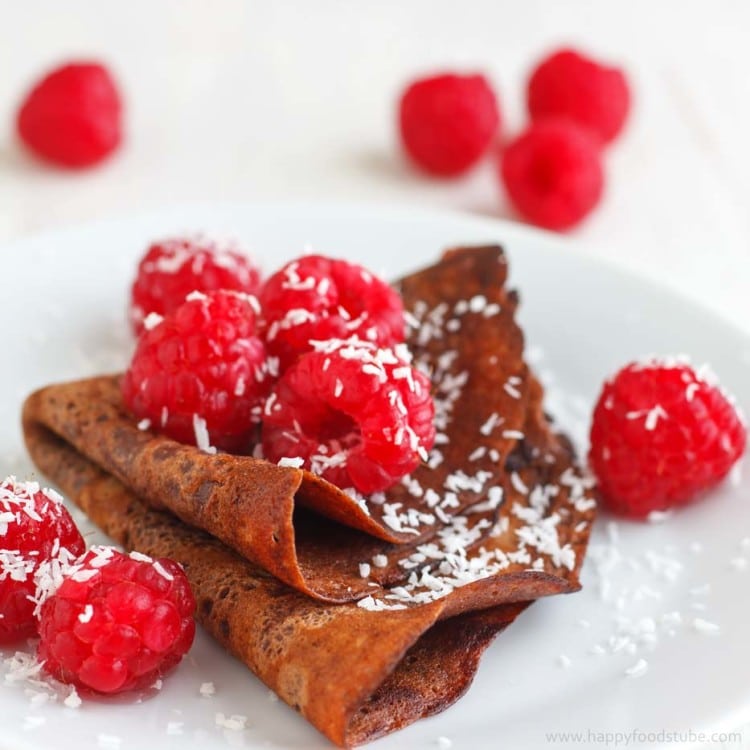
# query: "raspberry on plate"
{"type": "Point", "coordinates": [569, 84]}
{"type": "Point", "coordinates": [315, 298]}
{"type": "Point", "coordinates": [173, 268]}
{"type": "Point", "coordinates": [448, 121]}
{"type": "Point", "coordinates": [662, 433]}
{"type": "Point", "coordinates": [72, 117]}
{"type": "Point", "coordinates": [358, 415]}
{"type": "Point", "coordinates": [116, 622]}
{"type": "Point", "coordinates": [200, 375]}
{"type": "Point", "coordinates": [35, 528]}
{"type": "Point", "coordinates": [553, 174]}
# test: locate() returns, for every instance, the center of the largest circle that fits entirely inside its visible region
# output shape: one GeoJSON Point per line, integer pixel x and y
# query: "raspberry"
{"type": "Point", "coordinates": [173, 268]}
{"type": "Point", "coordinates": [661, 434]}
{"type": "Point", "coordinates": [72, 117]}
{"type": "Point", "coordinates": [568, 84]}
{"type": "Point", "coordinates": [316, 298]}
{"type": "Point", "coordinates": [35, 528]}
{"type": "Point", "coordinates": [448, 121]}
{"type": "Point", "coordinates": [201, 373]}
{"type": "Point", "coordinates": [358, 415]}
{"type": "Point", "coordinates": [116, 622]}
{"type": "Point", "coordinates": [553, 174]}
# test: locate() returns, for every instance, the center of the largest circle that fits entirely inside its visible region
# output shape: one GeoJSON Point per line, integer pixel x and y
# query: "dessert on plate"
{"type": "Point", "coordinates": [392, 507]}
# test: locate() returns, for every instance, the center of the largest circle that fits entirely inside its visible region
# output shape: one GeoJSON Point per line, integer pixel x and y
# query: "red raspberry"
{"type": "Point", "coordinates": [358, 415]}
{"type": "Point", "coordinates": [116, 622]}
{"type": "Point", "coordinates": [568, 84]}
{"type": "Point", "coordinates": [72, 117]}
{"type": "Point", "coordinates": [316, 299]}
{"type": "Point", "coordinates": [553, 174]}
{"type": "Point", "coordinates": [661, 434]}
{"type": "Point", "coordinates": [448, 121]}
{"type": "Point", "coordinates": [201, 374]}
{"type": "Point", "coordinates": [173, 268]}
{"type": "Point", "coordinates": [35, 528]}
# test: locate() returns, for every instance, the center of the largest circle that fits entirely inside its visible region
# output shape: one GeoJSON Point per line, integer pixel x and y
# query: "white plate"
{"type": "Point", "coordinates": [63, 306]}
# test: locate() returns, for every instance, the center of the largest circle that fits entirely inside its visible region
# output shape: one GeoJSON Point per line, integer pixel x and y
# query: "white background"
{"type": "Point", "coordinates": [234, 100]}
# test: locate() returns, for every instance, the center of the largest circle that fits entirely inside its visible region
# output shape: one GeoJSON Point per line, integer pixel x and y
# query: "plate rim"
{"type": "Point", "coordinates": [583, 251]}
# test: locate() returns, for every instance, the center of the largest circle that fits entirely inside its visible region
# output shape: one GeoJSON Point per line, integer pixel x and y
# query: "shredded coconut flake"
{"type": "Point", "coordinates": [162, 571]}
{"type": "Point", "coordinates": [295, 462]}
{"type": "Point", "coordinates": [492, 421]}
{"type": "Point", "coordinates": [73, 700]}
{"type": "Point", "coordinates": [152, 320]}
{"type": "Point", "coordinates": [659, 516]}
{"type": "Point", "coordinates": [207, 689]}
{"type": "Point", "coordinates": [705, 627]}
{"type": "Point", "coordinates": [638, 669]}
{"type": "Point", "coordinates": [136, 555]}
{"type": "Point", "coordinates": [235, 722]}
{"type": "Point", "coordinates": [202, 438]}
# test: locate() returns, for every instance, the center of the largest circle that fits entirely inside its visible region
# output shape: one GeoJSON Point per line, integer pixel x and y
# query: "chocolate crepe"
{"type": "Point", "coordinates": [411, 646]}
{"type": "Point", "coordinates": [354, 673]}
{"type": "Point", "coordinates": [463, 332]}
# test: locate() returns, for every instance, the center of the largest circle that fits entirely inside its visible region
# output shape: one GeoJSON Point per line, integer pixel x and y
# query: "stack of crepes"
{"type": "Point", "coordinates": [364, 614]}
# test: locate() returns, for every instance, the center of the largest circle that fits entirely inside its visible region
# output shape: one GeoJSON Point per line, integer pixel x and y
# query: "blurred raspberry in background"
{"type": "Point", "coordinates": [73, 116]}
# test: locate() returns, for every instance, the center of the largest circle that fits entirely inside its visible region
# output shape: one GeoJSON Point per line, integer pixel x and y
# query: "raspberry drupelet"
{"type": "Point", "coordinates": [173, 268]}
{"type": "Point", "coordinates": [448, 121]}
{"type": "Point", "coordinates": [315, 298]}
{"type": "Point", "coordinates": [200, 375]}
{"type": "Point", "coordinates": [116, 622]}
{"type": "Point", "coordinates": [35, 528]}
{"type": "Point", "coordinates": [358, 415]}
{"type": "Point", "coordinates": [73, 116]}
{"type": "Point", "coordinates": [661, 434]}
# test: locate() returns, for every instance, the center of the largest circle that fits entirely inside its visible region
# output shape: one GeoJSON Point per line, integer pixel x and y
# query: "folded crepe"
{"type": "Point", "coordinates": [511, 518]}
{"type": "Point", "coordinates": [463, 332]}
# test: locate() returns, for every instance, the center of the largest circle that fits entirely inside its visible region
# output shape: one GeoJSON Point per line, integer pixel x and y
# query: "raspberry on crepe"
{"type": "Point", "coordinates": [356, 414]}
{"type": "Point", "coordinates": [200, 374]}
{"type": "Point", "coordinates": [173, 268]}
{"type": "Point", "coordinates": [315, 298]}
